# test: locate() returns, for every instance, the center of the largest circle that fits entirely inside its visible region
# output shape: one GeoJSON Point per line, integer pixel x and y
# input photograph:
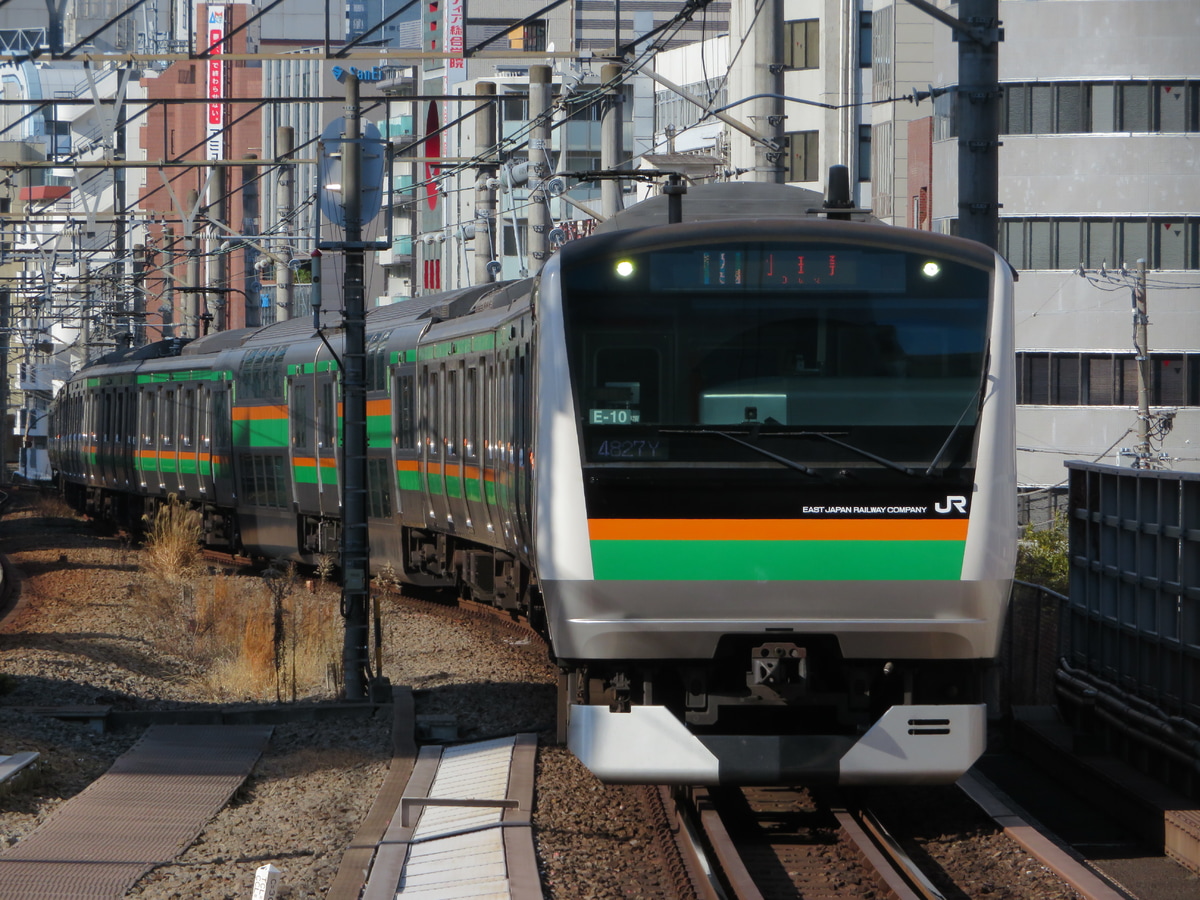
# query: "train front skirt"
{"type": "Point", "coordinates": [920, 744]}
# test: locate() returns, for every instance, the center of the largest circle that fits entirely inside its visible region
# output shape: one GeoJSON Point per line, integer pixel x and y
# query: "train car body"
{"type": "Point", "coordinates": [753, 478]}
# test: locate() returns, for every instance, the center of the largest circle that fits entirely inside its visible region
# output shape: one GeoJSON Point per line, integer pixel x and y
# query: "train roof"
{"type": "Point", "coordinates": [726, 200]}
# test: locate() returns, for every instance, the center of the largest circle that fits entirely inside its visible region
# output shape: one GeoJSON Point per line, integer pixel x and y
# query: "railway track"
{"type": "Point", "coordinates": [777, 842]}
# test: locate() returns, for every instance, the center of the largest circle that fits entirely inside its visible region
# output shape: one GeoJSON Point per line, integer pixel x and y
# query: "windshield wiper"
{"type": "Point", "coordinates": [866, 454]}
{"type": "Point", "coordinates": [782, 460]}
{"type": "Point", "coordinates": [953, 431]}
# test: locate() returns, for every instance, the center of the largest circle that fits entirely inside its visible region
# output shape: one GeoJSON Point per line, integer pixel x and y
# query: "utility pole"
{"type": "Point", "coordinates": [218, 201]}
{"type": "Point", "coordinates": [355, 539]}
{"type": "Point", "coordinates": [767, 110]}
{"type": "Point", "coordinates": [168, 292]}
{"type": "Point", "coordinates": [979, 35]}
{"type": "Point", "coordinates": [610, 141]}
{"type": "Point", "coordinates": [539, 144]}
{"type": "Point", "coordinates": [191, 297]}
{"type": "Point", "coordinates": [1140, 326]}
{"type": "Point", "coordinates": [485, 181]}
{"type": "Point", "coordinates": [285, 141]}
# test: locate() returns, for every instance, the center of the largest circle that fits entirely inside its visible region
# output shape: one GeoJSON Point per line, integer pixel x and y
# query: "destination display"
{"type": "Point", "coordinates": [759, 268]}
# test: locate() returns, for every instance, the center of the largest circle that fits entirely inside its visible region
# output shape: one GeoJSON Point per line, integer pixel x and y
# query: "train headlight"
{"type": "Point", "coordinates": [625, 268]}
{"type": "Point", "coordinates": [931, 269]}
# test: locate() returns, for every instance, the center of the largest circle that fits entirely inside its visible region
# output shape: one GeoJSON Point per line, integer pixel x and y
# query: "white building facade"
{"type": "Point", "coordinates": [1099, 168]}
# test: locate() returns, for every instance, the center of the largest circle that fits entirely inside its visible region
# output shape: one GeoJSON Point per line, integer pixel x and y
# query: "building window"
{"type": "Point", "coordinates": [1099, 107]}
{"type": "Point", "coordinates": [803, 156]}
{"type": "Point", "coordinates": [803, 44]}
{"type": "Point", "coordinates": [1073, 378]}
{"type": "Point", "coordinates": [864, 39]}
{"type": "Point", "coordinates": [864, 152]}
{"type": "Point", "coordinates": [1165, 243]}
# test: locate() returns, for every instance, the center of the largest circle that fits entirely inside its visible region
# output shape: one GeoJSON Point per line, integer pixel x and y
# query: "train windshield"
{"type": "Point", "coordinates": [824, 356]}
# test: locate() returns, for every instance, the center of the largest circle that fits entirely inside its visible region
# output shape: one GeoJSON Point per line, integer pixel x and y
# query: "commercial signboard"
{"type": "Point", "coordinates": [215, 119]}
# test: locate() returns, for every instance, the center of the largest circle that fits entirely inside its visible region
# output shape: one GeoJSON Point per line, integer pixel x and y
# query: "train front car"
{"type": "Point", "coordinates": [781, 534]}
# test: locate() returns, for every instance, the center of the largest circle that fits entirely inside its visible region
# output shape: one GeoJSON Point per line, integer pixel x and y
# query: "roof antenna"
{"type": "Point", "coordinates": [837, 193]}
{"type": "Point", "coordinates": [675, 188]}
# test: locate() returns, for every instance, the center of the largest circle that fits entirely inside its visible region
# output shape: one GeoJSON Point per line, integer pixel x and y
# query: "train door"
{"type": "Point", "coordinates": [522, 419]}
{"type": "Point", "coordinates": [147, 452]}
{"type": "Point", "coordinates": [433, 448]}
{"type": "Point", "coordinates": [104, 437]}
{"type": "Point", "coordinates": [189, 473]}
{"type": "Point", "coordinates": [301, 440]}
{"type": "Point", "coordinates": [474, 468]}
{"type": "Point", "coordinates": [404, 436]}
{"type": "Point", "coordinates": [489, 451]}
{"type": "Point", "coordinates": [455, 474]}
{"type": "Point", "coordinates": [129, 439]}
{"type": "Point", "coordinates": [219, 443]}
{"type": "Point", "coordinates": [327, 421]}
{"type": "Point", "coordinates": [168, 456]}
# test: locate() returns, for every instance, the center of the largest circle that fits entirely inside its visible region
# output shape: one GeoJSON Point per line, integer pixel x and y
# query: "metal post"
{"type": "Point", "coordinates": [539, 144]}
{"type": "Point", "coordinates": [355, 542]}
{"type": "Point", "coordinates": [191, 296]}
{"type": "Point", "coordinates": [611, 142]}
{"type": "Point", "coordinates": [1140, 325]}
{"type": "Point", "coordinates": [770, 166]}
{"type": "Point", "coordinates": [979, 122]}
{"type": "Point", "coordinates": [168, 290]}
{"type": "Point", "coordinates": [485, 192]}
{"type": "Point", "coordinates": [285, 140]}
{"type": "Point", "coordinates": [218, 202]}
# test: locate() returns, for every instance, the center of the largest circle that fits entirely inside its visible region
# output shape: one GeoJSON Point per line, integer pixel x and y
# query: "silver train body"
{"type": "Point", "coordinates": [754, 479]}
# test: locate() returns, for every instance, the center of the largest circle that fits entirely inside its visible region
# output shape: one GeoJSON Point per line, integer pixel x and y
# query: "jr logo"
{"type": "Point", "coordinates": [958, 504]}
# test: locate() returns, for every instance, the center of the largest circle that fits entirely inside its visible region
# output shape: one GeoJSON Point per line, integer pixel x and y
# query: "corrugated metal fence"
{"type": "Point", "coordinates": [1133, 618]}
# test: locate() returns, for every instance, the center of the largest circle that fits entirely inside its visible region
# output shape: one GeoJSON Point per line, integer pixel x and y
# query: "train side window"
{"type": "Point", "coordinates": [299, 415]}
{"type": "Point", "coordinates": [433, 413]}
{"type": "Point", "coordinates": [168, 419]}
{"type": "Point", "coordinates": [403, 427]}
{"type": "Point", "coordinates": [188, 431]}
{"type": "Point", "coordinates": [471, 413]}
{"type": "Point", "coordinates": [379, 495]}
{"type": "Point", "coordinates": [218, 407]}
{"type": "Point", "coordinates": [203, 422]}
{"type": "Point", "coordinates": [327, 416]}
{"type": "Point", "coordinates": [149, 417]}
{"type": "Point", "coordinates": [452, 430]}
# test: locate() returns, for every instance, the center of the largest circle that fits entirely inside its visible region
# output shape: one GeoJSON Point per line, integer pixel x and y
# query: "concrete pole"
{"type": "Point", "coordinates": [485, 194]}
{"type": "Point", "coordinates": [1140, 327]}
{"type": "Point", "coordinates": [355, 542]}
{"type": "Point", "coordinates": [285, 188]}
{"type": "Point", "coordinates": [611, 143]}
{"type": "Point", "coordinates": [979, 123]}
{"type": "Point", "coordinates": [218, 204]}
{"type": "Point", "coordinates": [539, 146]}
{"type": "Point", "coordinates": [770, 166]}
{"type": "Point", "coordinates": [168, 292]}
{"type": "Point", "coordinates": [191, 297]}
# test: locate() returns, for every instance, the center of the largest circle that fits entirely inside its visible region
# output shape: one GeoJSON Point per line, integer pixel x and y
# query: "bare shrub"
{"type": "Point", "coordinates": [51, 506]}
{"type": "Point", "coordinates": [172, 544]}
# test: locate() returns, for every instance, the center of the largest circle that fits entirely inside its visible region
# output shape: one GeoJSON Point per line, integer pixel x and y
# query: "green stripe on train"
{"type": "Point", "coordinates": [260, 433]}
{"type": "Point", "coordinates": [777, 560]}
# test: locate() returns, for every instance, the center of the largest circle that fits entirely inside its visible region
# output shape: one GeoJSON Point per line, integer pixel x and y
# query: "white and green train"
{"type": "Point", "coordinates": [754, 478]}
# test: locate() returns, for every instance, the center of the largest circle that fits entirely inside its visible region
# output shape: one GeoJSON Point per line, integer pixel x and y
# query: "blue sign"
{"type": "Point", "coordinates": [373, 74]}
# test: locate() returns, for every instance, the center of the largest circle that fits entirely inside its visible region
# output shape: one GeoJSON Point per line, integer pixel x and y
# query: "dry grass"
{"type": "Point", "coordinates": [172, 543]}
{"type": "Point", "coordinates": [49, 505]}
{"type": "Point", "coordinates": [252, 639]}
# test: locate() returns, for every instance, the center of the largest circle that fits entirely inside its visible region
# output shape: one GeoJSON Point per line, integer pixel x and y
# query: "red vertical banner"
{"type": "Point", "coordinates": [214, 37]}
